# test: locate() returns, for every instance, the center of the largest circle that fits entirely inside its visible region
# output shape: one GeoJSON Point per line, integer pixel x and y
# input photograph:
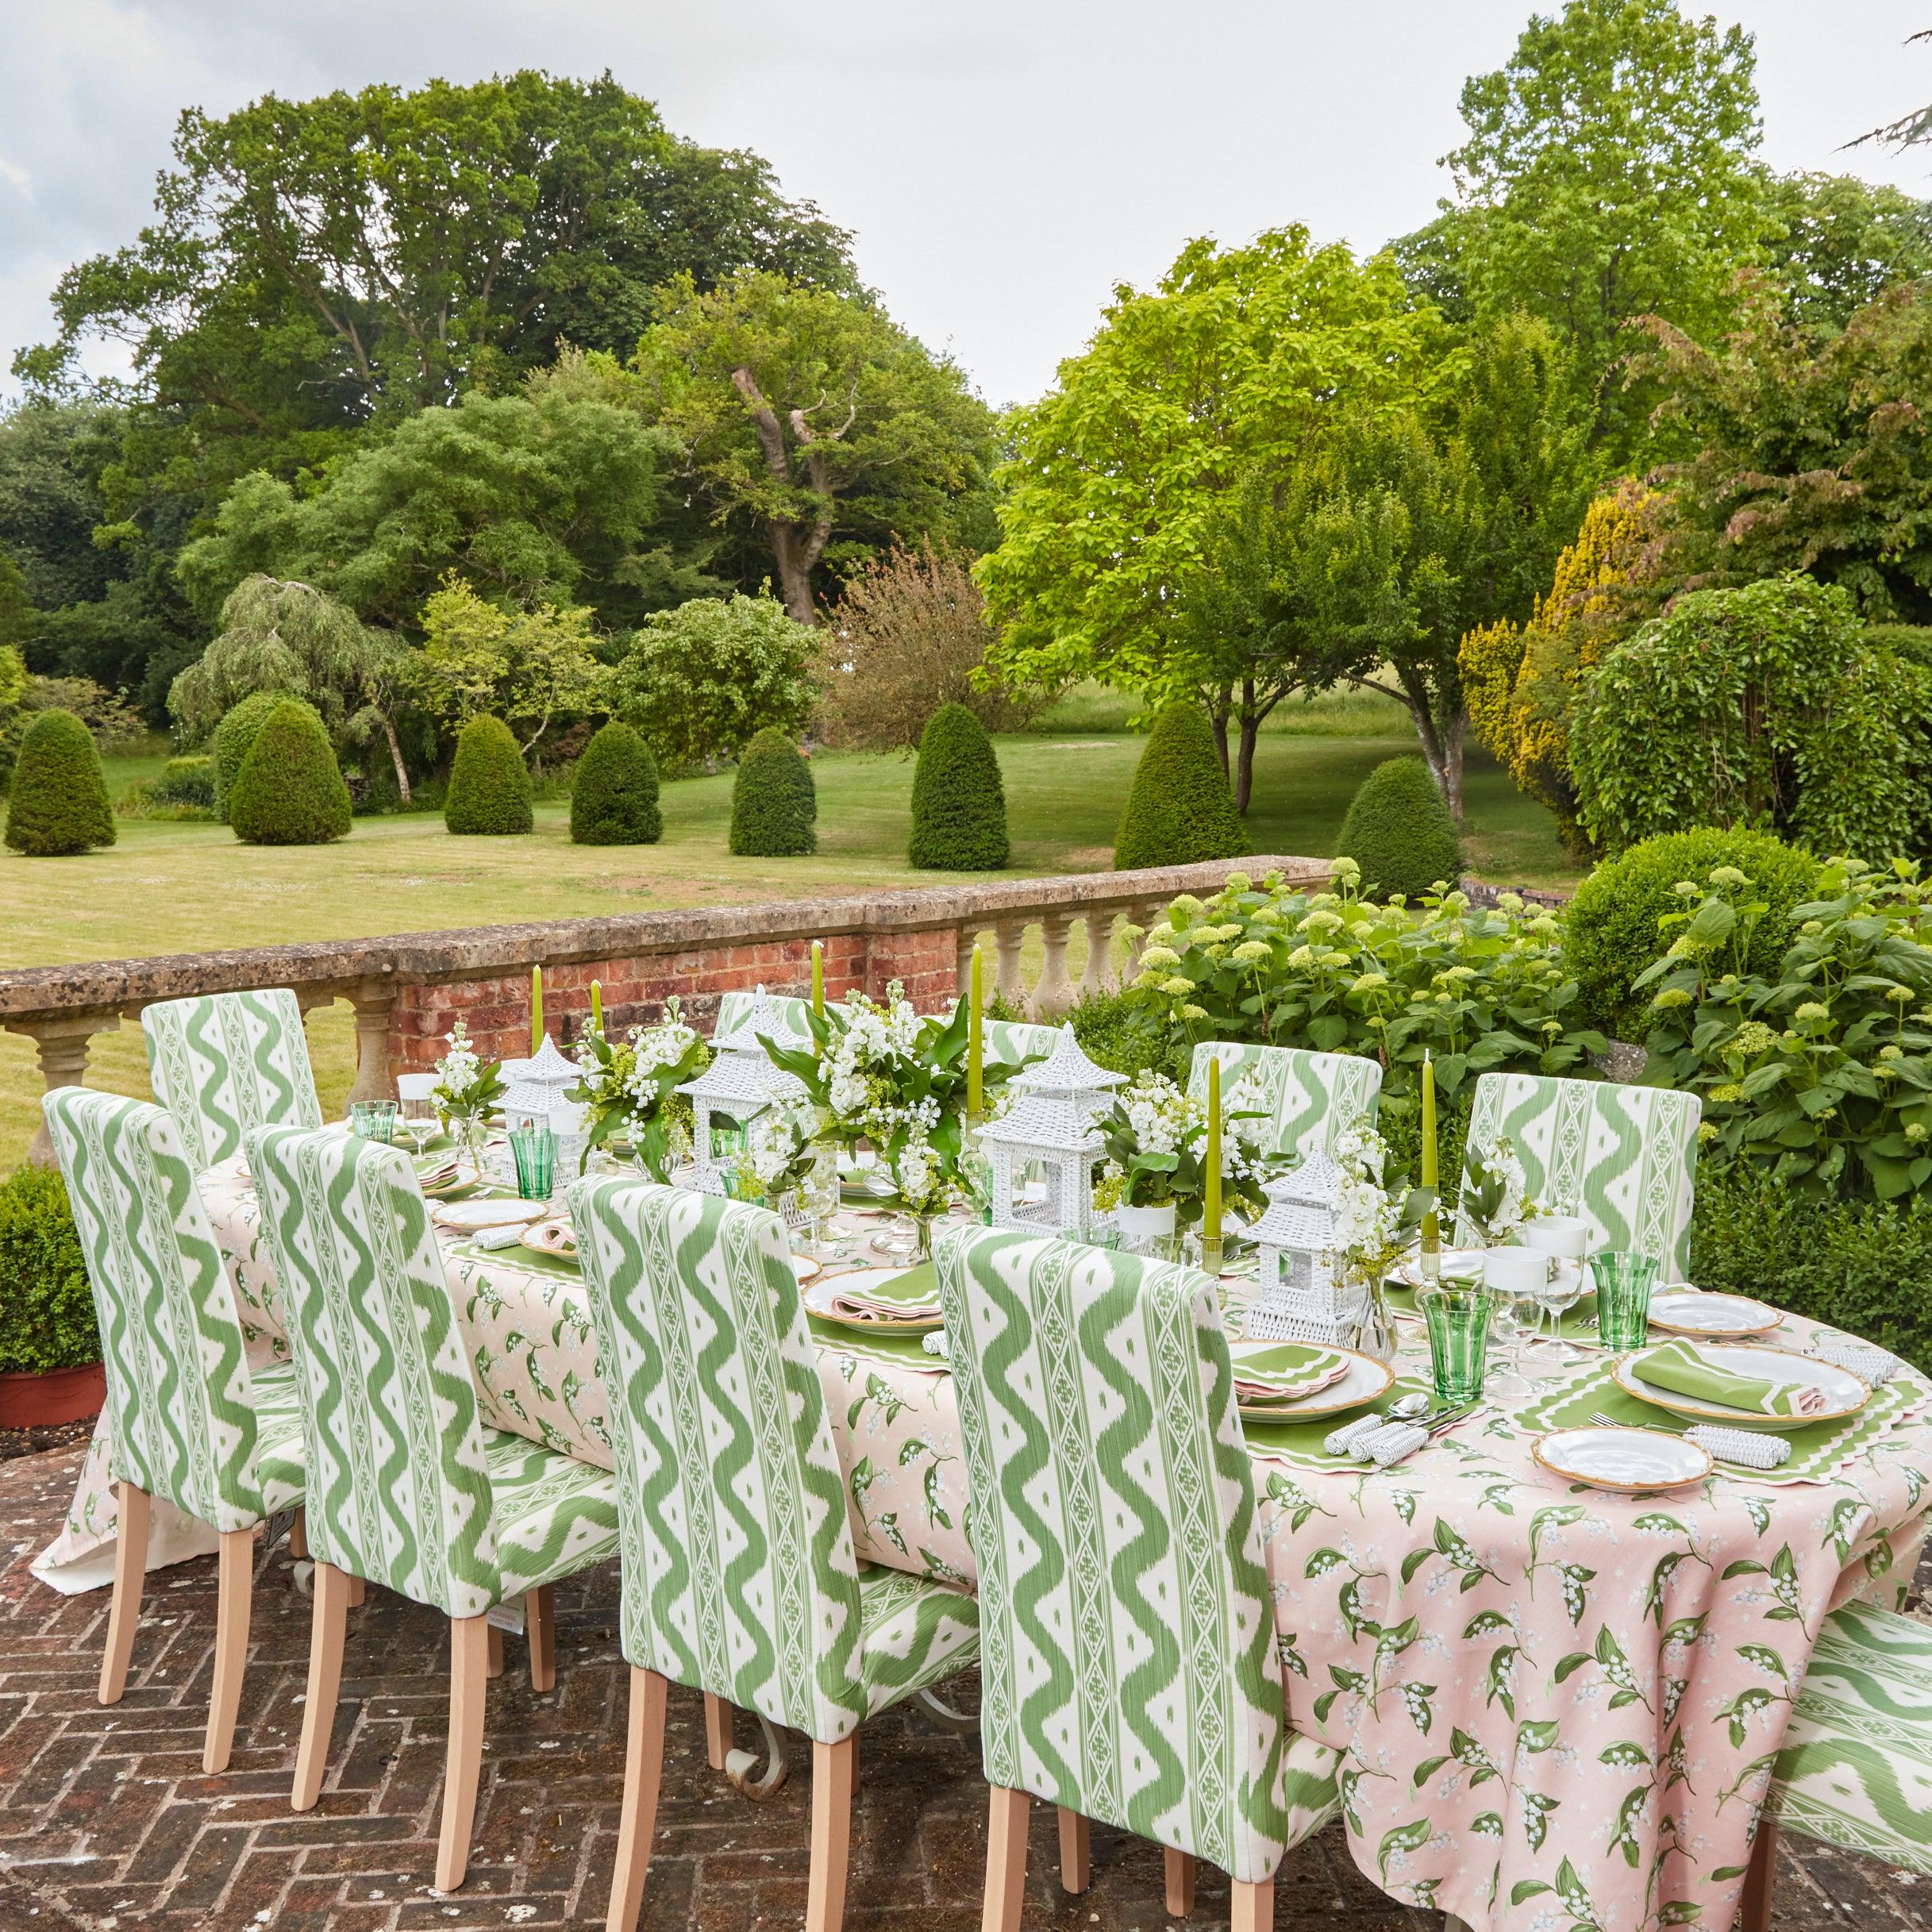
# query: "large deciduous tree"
{"type": "Point", "coordinates": [811, 416]}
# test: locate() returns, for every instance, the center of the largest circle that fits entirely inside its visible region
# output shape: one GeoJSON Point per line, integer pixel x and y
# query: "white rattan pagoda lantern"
{"type": "Point", "coordinates": [535, 1087]}
{"type": "Point", "coordinates": [1050, 1125]}
{"type": "Point", "coordinates": [741, 1083]}
{"type": "Point", "coordinates": [1300, 1295]}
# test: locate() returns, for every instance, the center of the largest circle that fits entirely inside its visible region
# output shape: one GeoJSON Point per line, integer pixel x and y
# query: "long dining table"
{"type": "Point", "coordinates": [1557, 1707]}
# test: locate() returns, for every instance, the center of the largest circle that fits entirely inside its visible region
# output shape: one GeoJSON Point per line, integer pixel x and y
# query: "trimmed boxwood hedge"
{"type": "Point", "coordinates": [1398, 831]}
{"type": "Point", "coordinates": [489, 793]}
{"type": "Point", "coordinates": [773, 803]}
{"type": "Point", "coordinates": [58, 802]}
{"type": "Point", "coordinates": [614, 795]}
{"type": "Point", "coordinates": [289, 791]}
{"type": "Point", "coordinates": [1180, 810]}
{"type": "Point", "coordinates": [959, 805]}
{"type": "Point", "coordinates": [234, 738]}
{"type": "Point", "coordinates": [46, 1318]}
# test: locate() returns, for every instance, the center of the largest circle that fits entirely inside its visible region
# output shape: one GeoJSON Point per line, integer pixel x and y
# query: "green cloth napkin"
{"type": "Point", "coordinates": [1685, 1370]}
{"type": "Point", "coordinates": [918, 1287]}
{"type": "Point", "coordinates": [1281, 1370]}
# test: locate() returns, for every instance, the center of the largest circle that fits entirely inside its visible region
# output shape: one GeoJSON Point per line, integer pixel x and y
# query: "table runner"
{"type": "Point", "coordinates": [1558, 1707]}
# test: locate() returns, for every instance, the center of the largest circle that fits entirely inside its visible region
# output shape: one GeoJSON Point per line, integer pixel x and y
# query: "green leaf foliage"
{"type": "Point", "coordinates": [1399, 831]}
{"type": "Point", "coordinates": [58, 802]}
{"type": "Point", "coordinates": [289, 791]}
{"type": "Point", "coordinates": [1178, 809]}
{"type": "Point", "coordinates": [234, 738]}
{"type": "Point", "coordinates": [1117, 1031]}
{"type": "Point", "coordinates": [773, 803]}
{"type": "Point", "coordinates": [47, 1318]}
{"type": "Point", "coordinates": [959, 805]}
{"type": "Point", "coordinates": [613, 795]}
{"type": "Point", "coordinates": [489, 792]}
{"type": "Point", "coordinates": [1611, 930]}
{"type": "Point", "coordinates": [186, 781]}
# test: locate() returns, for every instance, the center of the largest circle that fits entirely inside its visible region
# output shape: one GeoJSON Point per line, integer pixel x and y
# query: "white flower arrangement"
{"type": "Point", "coordinates": [1372, 1225]}
{"type": "Point", "coordinates": [466, 1085]}
{"type": "Point", "coordinates": [1157, 1141]}
{"type": "Point", "coordinates": [1494, 1197]}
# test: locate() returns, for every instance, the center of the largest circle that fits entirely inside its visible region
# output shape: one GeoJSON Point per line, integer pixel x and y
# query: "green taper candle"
{"type": "Point", "coordinates": [597, 1005]}
{"type": "Point", "coordinates": [1211, 1183]}
{"type": "Point", "coordinates": [975, 1042]}
{"type": "Point", "coordinates": [1432, 1224]}
{"type": "Point", "coordinates": [818, 977]}
{"type": "Point", "coordinates": [536, 1008]}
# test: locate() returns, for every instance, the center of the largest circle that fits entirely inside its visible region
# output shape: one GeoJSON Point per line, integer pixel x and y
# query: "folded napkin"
{"type": "Point", "coordinates": [1685, 1370]}
{"type": "Point", "coordinates": [912, 1294]}
{"type": "Point", "coordinates": [498, 1237]}
{"type": "Point", "coordinates": [1740, 1445]}
{"type": "Point", "coordinates": [934, 1343]}
{"type": "Point", "coordinates": [1389, 1443]}
{"type": "Point", "coordinates": [1342, 1442]}
{"type": "Point", "coordinates": [1865, 1359]}
{"type": "Point", "coordinates": [1278, 1372]}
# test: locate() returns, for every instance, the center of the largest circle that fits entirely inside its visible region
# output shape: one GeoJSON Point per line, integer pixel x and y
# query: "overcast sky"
{"type": "Point", "coordinates": [1002, 163]}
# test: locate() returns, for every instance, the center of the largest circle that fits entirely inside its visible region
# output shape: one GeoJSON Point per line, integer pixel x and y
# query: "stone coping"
{"type": "Point", "coordinates": [110, 986]}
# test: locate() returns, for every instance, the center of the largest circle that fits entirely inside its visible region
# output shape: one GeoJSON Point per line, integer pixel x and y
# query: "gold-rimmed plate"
{"type": "Point", "coordinates": [1629, 1461]}
{"type": "Point", "coordinates": [1845, 1393]}
{"type": "Point", "coordinates": [1682, 1310]}
{"type": "Point", "coordinates": [1365, 1379]}
{"type": "Point", "coordinates": [492, 1211]}
{"type": "Point", "coordinates": [820, 1297]}
{"type": "Point", "coordinates": [554, 1237]}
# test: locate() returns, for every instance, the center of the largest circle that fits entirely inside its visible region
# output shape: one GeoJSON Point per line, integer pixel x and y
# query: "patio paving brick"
{"type": "Point", "coordinates": [107, 1822]}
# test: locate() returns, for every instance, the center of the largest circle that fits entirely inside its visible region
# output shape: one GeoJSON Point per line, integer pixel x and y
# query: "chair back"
{"type": "Point", "coordinates": [1310, 1098]}
{"type": "Point", "coordinates": [735, 1009]}
{"type": "Point", "coordinates": [179, 1401]}
{"type": "Point", "coordinates": [398, 1492]}
{"type": "Point", "coordinates": [1128, 1664]}
{"type": "Point", "coordinates": [1623, 1158]}
{"type": "Point", "coordinates": [223, 1063]}
{"type": "Point", "coordinates": [739, 1577]}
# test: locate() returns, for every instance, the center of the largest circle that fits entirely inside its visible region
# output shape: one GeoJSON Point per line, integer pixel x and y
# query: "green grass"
{"type": "Point", "coordinates": [1091, 706]}
{"type": "Point", "coordinates": [169, 886]}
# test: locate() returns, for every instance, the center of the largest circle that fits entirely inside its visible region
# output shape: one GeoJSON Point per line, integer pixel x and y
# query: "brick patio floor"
{"type": "Point", "coordinates": [106, 1821]}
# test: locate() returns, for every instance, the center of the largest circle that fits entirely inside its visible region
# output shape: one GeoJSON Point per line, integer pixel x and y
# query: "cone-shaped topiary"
{"type": "Point", "coordinates": [1399, 831]}
{"type": "Point", "coordinates": [959, 806]}
{"type": "Point", "coordinates": [289, 791]}
{"type": "Point", "coordinates": [59, 803]}
{"type": "Point", "coordinates": [234, 738]}
{"type": "Point", "coordinates": [613, 799]}
{"type": "Point", "coordinates": [1179, 808]}
{"type": "Point", "coordinates": [773, 803]}
{"type": "Point", "coordinates": [489, 788]}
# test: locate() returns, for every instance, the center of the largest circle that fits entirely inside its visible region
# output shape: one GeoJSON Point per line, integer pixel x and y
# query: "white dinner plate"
{"type": "Point", "coordinates": [1686, 1310]}
{"type": "Point", "coordinates": [817, 1298]}
{"type": "Point", "coordinates": [472, 1217]}
{"type": "Point", "coordinates": [805, 1268]}
{"type": "Point", "coordinates": [1364, 1380]}
{"type": "Point", "coordinates": [1628, 1460]}
{"type": "Point", "coordinates": [554, 1237]}
{"type": "Point", "coordinates": [1845, 1394]}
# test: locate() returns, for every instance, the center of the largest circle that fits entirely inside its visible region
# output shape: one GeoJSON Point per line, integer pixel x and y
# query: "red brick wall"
{"type": "Point", "coordinates": [497, 1011]}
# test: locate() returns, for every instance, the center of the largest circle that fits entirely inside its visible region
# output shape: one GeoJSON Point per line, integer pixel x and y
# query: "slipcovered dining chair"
{"type": "Point", "coordinates": [406, 1487]}
{"type": "Point", "coordinates": [1129, 1670]}
{"type": "Point", "coordinates": [739, 1576]}
{"type": "Point", "coordinates": [1621, 1157]}
{"type": "Point", "coordinates": [224, 1062]}
{"type": "Point", "coordinates": [1310, 1097]}
{"type": "Point", "coordinates": [187, 1420]}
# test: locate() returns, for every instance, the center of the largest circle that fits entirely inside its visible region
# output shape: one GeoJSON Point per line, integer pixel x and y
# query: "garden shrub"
{"type": "Point", "coordinates": [186, 781]}
{"type": "Point", "coordinates": [1609, 927]}
{"type": "Point", "coordinates": [959, 805]}
{"type": "Point", "coordinates": [289, 791]}
{"type": "Point", "coordinates": [234, 738]}
{"type": "Point", "coordinates": [613, 796]}
{"type": "Point", "coordinates": [1839, 1261]}
{"type": "Point", "coordinates": [46, 1318]}
{"type": "Point", "coordinates": [489, 793]}
{"type": "Point", "coordinates": [1819, 1073]}
{"type": "Point", "coordinates": [773, 803]}
{"type": "Point", "coordinates": [1399, 831]}
{"type": "Point", "coordinates": [1764, 704]}
{"type": "Point", "coordinates": [1180, 810]}
{"type": "Point", "coordinates": [1118, 1032]}
{"type": "Point", "coordinates": [58, 802]}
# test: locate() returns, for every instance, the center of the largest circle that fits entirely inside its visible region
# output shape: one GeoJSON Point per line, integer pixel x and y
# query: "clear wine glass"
{"type": "Point", "coordinates": [1560, 1293]}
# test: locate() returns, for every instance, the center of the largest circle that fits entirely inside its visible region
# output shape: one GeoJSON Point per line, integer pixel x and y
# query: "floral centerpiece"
{"type": "Point", "coordinates": [467, 1087]}
{"type": "Point", "coordinates": [1376, 1223]}
{"type": "Point", "coordinates": [779, 1154]}
{"type": "Point", "coordinates": [628, 1086]}
{"type": "Point", "coordinates": [1494, 1200]}
{"type": "Point", "coordinates": [1156, 1148]}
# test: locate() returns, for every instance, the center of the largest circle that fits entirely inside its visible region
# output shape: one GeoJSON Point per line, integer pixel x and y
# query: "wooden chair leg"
{"type": "Point", "coordinates": [1006, 1859]}
{"type": "Point", "coordinates": [235, 1587]}
{"type": "Point", "coordinates": [358, 1591]}
{"type": "Point", "coordinates": [298, 1536]}
{"type": "Point", "coordinates": [495, 1638]}
{"type": "Point", "coordinates": [327, 1628]}
{"type": "Point", "coordinates": [1754, 1908]}
{"type": "Point", "coordinates": [130, 1575]}
{"type": "Point", "coordinates": [718, 1714]}
{"type": "Point", "coordinates": [832, 1765]}
{"type": "Point", "coordinates": [1254, 1907]}
{"type": "Point", "coordinates": [644, 1766]}
{"type": "Point", "coordinates": [1180, 1883]}
{"type": "Point", "coordinates": [539, 1627]}
{"type": "Point", "coordinates": [469, 1663]}
{"type": "Point", "coordinates": [1076, 1852]}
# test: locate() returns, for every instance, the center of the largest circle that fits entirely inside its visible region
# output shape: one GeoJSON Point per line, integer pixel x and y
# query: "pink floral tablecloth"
{"type": "Point", "coordinates": [1557, 1707]}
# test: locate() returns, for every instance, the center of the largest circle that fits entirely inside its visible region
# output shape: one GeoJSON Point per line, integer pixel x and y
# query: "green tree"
{"type": "Point", "coordinates": [489, 793]}
{"type": "Point", "coordinates": [289, 791]}
{"type": "Point", "coordinates": [58, 802]}
{"type": "Point", "coordinates": [1842, 243]}
{"type": "Point", "coordinates": [1398, 831]}
{"type": "Point", "coordinates": [1222, 371]}
{"type": "Point", "coordinates": [234, 738]}
{"type": "Point", "coordinates": [809, 415]}
{"type": "Point", "coordinates": [774, 803]}
{"type": "Point", "coordinates": [613, 793]}
{"type": "Point", "coordinates": [959, 805]}
{"type": "Point", "coordinates": [525, 669]}
{"type": "Point", "coordinates": [1178, 807]}
{"type": "Point", "coordinates": [278, 636]}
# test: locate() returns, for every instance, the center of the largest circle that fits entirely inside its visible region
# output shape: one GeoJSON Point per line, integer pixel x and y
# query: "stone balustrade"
{"type": "Point", "coordinates": [408, 988]}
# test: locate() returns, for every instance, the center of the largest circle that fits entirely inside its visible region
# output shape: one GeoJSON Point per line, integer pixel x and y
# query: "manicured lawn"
{"type": "Point", "coordinates": [169, 887]}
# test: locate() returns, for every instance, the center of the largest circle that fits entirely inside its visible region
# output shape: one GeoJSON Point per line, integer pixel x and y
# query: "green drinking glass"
{"type": "Point", "coordinates": [1624, 1279]}
{"type": "Point", "coordinates": [533, 1149]}
{"type": "Point", "coordinates": [372, 1120]}
{"type": "Point", "coordinates": [1458, 1322]}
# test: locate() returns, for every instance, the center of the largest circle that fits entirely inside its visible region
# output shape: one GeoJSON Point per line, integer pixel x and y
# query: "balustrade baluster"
{"type": "Point", "coordinates": [1099, 977]}
{"type": "Point", "coordinates": [1007, 934]}
{"type": "Point", "coordinates": [62, 1042]}
{"type": "Point", "coordinates": [1054, 993]}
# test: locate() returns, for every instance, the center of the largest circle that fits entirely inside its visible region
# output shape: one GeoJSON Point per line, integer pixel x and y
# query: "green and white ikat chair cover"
{"type": "Point", "coordinates": [406, 1487]}
{"type": "Point", "coordinates": [187, 1420]}
{"type": "Point", "coordinates": [1128, 1670]}
{"type": "Point", "coordinates": [225, 1063]}
{"type": "Point", "coordinates": [1856, 1769]}
{"type": "Point", "coordinates": [1623, 1158]}
{"type": "Point", "coordinates": [739, 1576]}
{"type": "Point", "coordinates": [1310, 1097]}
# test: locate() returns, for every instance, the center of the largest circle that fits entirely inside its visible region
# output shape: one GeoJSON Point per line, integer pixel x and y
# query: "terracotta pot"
{"type": "Point", "coordinates": [37, 1400]}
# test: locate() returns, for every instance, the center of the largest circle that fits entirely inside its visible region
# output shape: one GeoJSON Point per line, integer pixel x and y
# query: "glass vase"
{"type": "Point", "coordinates": [906, 1238]}
{"type": "Point", "coordinates": [1375, 1335]}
